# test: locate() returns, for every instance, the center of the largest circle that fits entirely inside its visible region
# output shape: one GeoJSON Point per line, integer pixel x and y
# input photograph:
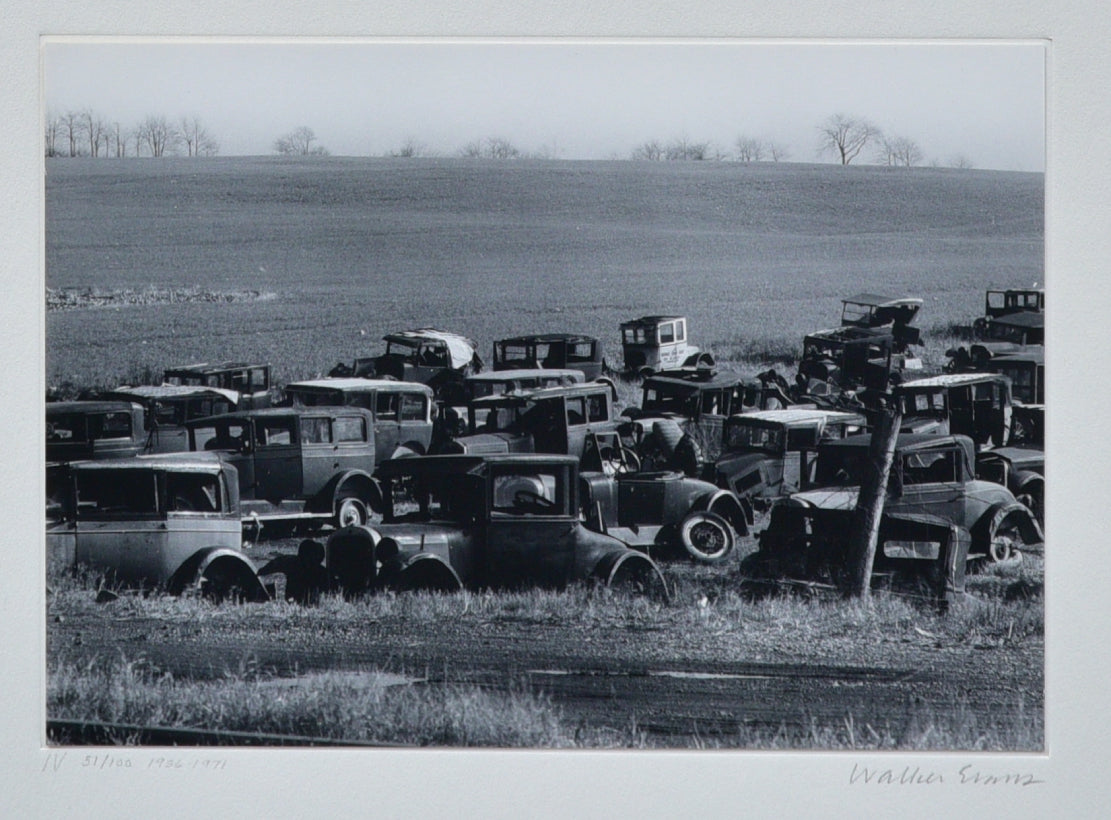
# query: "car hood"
{"type": "Point", "coordinates": [836, 498]}
{"type": "Point", "coordinates": [485, 443]}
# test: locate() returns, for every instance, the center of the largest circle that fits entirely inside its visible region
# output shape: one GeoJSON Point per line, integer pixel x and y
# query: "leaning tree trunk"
{"type": "Point", "coordinates": [869, 504]}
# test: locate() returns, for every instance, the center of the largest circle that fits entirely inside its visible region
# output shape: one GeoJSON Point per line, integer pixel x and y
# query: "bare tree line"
{"type": "Point", "coordinates": [86, 133]}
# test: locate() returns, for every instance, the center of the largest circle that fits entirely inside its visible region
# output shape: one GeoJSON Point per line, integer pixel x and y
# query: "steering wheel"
{"type": "Point", "coordinates": [527, 498]}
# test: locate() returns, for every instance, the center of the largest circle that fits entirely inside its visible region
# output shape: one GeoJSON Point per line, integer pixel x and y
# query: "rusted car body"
{"type": "Point", "coordinates": [250, 381]}
{"type": "Point", "coordinates": [81, 430]}
{"type": "Point", "coordinates": [977, 405]}
{"type": "Point", "coordinates": [433, 357]}
{"type": "Point", "coordinates": [551, 351]}
{"type": "Point", "coordinates": [169, 521]}
{"type": "Point", "coordinates": [930, 476]}
{"type": "Point", "coordinates": [504, 521]}
{"type": "Point", "coordinates": [310, 464]}
{"type": "Point", "coordinates": [872, 310]}
{"type": "Point", "coordinates": [768, 455]}
{"type": "Point", "coordinates": [1026, 371]}
{"type": "Point", "coordinates": [402, 411]}
{"type": "Point", "coordinates": [653, 343]}
{"type": "Point", "coordinates": [666, 514]}
{"type": "Point", "coordinates": [1018, 300]}
{"type": "Point", "coordinates": [168, 407]}
{"type": "Point", "coordinates": [576, 420]}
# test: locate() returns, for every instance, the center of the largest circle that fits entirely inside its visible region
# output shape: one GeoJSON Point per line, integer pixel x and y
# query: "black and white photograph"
{"type": "Point", "coordinates": [641, 400]}
{"type": "Point", "coordinates": [557, 395]}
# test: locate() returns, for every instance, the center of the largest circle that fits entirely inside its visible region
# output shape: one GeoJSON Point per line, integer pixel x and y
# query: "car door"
{"type": "Point", "coordinates": [318, 453]}
{"type": "Point", "coordinates": [930, 481]}
{"type": "Point", "coordinates": [387, 423]}
{"type": "Point", "coordinates": [414, 420]}
{"type": "Point", "coordinates": [277, 458]}
{"type": "Point", "coordinates": [529, 538]}
{"type": "Point", "coordinates": [120, 526]}
{"type": "Point", "coordinates": [354, 445]}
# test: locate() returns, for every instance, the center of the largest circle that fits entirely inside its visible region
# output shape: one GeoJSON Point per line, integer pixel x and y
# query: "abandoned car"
{"type": "Point", "coordinates": [428, 356]}
{"type": "Point", "coordinates": [168, 521]}
{"type": "Point", "coordinates": [497, 382]}
{"type": "Point", "coordinates": [505, 521]}
{"type": "Point", "coordinates": [768, 455]}
{"type": "Point", "coordinates": [402, 410]}
{"type": "Point", "coordinates": [1026, 371]}
{"type": "Point", "coordinates": [999, 303]}
{"type": "Point", "coordinates": [297, 464]}
{"type": "Point", "coordinates": [931, 475]}
{"type": "Point", "coordinates": [552, 351]}
{"type": "Point", "coordinates": [870, 310]}
{"type": "Point", "coordinates": [653, 343]}
{"type": "Point", "coordinates": [666, 514]}
{"type": "Point", "coordinates": [250, 381]}
{"type": "Point", "coordinates": [977, 405]}
{"type": "Point", "coordinates": [576, 420]}
{"type": "Point", "coordinates": [1021, 470]}
{"type": "Point", "coordinates": [169, 406]}
{"type": "Point", "coordinates": [851, 358]}
{"type": "Point", "coordinates": [80, 430]}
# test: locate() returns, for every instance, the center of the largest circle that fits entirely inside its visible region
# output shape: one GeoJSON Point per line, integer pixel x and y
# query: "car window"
{"type": "Point", "coordinates": [350, 428]}
{"type": "Point", "coordinates": [680, 331]}
{"type": "Point", "coordinates": [227, 435]}
{"type": "Point", "coordinates": [929, 467]}
{"type": "Point", "coordinates": [192, 492]}
{"type": "Point", "coordinates": [413, 407]}
{"type": "Point", "coordinates": [531, 492]}
{"type": "Point", "coordinates": [576, 410]}
{"type": "Point", "coordinates": [801, 437]}
{"type": "Point", "coordinates": [277, 432]}
{"type": "Point", "coordinates": [110, 425]}
{"type": "Point", "coordinates": [667, 333]}
{"type": "Point", "coordinates": [580, 352]}
{"type": "Point", "coordinates": [597, 408]}
{"type": "Point", "coordinates": [385, 406]}
{"type": "Point", "coordinates": [116, 493]}
{"type": "Point", "coordinates": [260, 379]}
{"type": "Point", "coordinates": [316, 431]}
{"type": "Point", "coordinates": [712, 402]}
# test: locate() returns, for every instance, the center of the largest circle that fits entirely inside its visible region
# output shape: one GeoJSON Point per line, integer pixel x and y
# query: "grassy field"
{"type": "Point", "coordinates": [342, 251]}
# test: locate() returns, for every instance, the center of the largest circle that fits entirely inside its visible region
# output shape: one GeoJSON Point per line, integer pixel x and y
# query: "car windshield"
{"type": "Point", "coordinates": [659, 399]}
{"type": "Point", "coordinates": [1006, 333]}
{"type": "Point", "coordinates": [745, 436]}
{"type": "Point", "coordinates": [435, 497]}
{"type": "Point", "coordinates": [924, 403]}
{"type": "Point", "coordinates": [1022, 381]}
{"type": "Point", "coordinates": [117, 494]}
{"type": "Point", "coordinates": [841, 466]}
{"type": "Point", "coordinates": [88, 426]}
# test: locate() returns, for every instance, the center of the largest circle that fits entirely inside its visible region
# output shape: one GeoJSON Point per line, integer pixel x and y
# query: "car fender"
{"type": "Point", "coordinates": [193, 568]}
{"type": "Point", "coordinates": [350, 555]}
{"type": "Point", "coordinates": [614, 566]}
{"type": "Point", "coordinates": [427, 572]}
{"type": "Point", "coordinates": [1028, 525]}
{"type": "Point", "coordinates": [725, 503]}
{"type": "Point", "coordinates": [361, 483]}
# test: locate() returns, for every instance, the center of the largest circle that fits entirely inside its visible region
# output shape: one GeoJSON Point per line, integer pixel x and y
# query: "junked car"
{"type": "Point", "coordinates": [1026, 371]}
{"type": "Point", "coordinates": [999, 303]}
{"type": "Point", "coordinates": [768, 455]}
{"type": "Point", "coordinates": [402, 411]}
{"type": "Point", "coordinates": [551, 351]}
{"type": "Point", "coordinates": [310, 464]}
{"type": "Point", "coordinates": [474, 522]}
{"type": "Point", "coordinates": [497, 382]}
{"type": "Point", "coordinates": [167, 521]}
{"type": "Point", "coordinates": [575, 420]}
{"type": "Point", "coordinates": [938, 518]}
{"type": "Point", "coordinates": [169, 406]}
{"type": "Point", "coordinates": [977, 405]}
{"type": "Point", "coordinates": [851, 358]}
{"type": "Point", "coordinates": [653, 343]}
{"type": "Point", "coordinates": [872, 310]}
{"type": "Point", "coordinates": [667, 514]}
{"type": "Point", "coordinates": [80, 430]}
{"type": "Point", "coordinates": [428, 356]}
{"type": "Point", "coordinates": [250, 381]}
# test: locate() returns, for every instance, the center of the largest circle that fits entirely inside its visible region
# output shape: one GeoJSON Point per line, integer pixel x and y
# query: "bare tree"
{"type": "Point", "coordinates": [71, 123]}
{"type": "Point", "coordinates": [651, 150]}
{"type": "Point", "coordinates": [960, 161]}
{"type": "Point", "coordinates": [410, 148]}
{"type": "Point", "coordinates": [684, 149]}
{"type": "Point", "coordinates": [119, 140]}
{"type": "Point", "coordinates": [845, 137]}
{"type": "Point", "coordinates": [299, 142]}
{"type": "Point", "coordinates": [501, 148]}
{"type": "Point", "coordinates": [778, 152]}
{"type": "Point", "coordinates": [52, 130]}
{"type": "Point", "coordinates": [93, 127]}
{"type": "Point", "coordinates": [158, 135]}
{"type": "Point", "coordinates": [901, 151]}
{"type": "Point", "coordinates": [750, 149]}
{"type": "Point", "coordinates": [198, 142]}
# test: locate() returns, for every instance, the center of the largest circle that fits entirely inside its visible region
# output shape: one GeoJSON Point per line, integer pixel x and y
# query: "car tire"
{"type": "Point", "coordinates": [350, 512]}
{"type": "Point", "coordinates": [1005, 542]}
{"type": "Point", "coordinates": [706, 537]}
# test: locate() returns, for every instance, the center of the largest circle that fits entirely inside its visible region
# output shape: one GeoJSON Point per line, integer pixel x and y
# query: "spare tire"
{"type": "Point", "coordinates": [706, 537]}
{"type": "Point", "coordinates": [668, 434]}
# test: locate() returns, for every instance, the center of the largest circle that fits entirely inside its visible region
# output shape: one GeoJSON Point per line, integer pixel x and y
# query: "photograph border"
{"type": "Point", "coordinates": [581, 782]}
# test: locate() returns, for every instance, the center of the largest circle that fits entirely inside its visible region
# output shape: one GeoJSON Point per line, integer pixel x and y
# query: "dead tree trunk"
{"type": "Point", "coordinates": [869, 504]}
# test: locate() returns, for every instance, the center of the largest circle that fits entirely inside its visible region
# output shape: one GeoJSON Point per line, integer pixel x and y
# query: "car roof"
{"type": "Point", "coordinates": [793, 416]}
{"type": "Point", "coordinates": [192, 462]}
{"type": "Point", "coordinates": [713, 380]}
{"type": "Point", "coordinates": [952, 380]}
{"type": "Point", "coordinates": [848, 333]}
{"type": "Point", "coordinates": [206, 367]}
{"type": "Point", "coordinates": [354, 384]}
{"type": "Point", "coordinates": [459, 464]}
{"type": "Point", "coordinates": [525, 373]}
{"type": "Point", "coordinates": [905, 441]}
{"type": "Point", "coordinates": [173, 391]}
{"type": "Point", "coordinates": [651, 320]}
{"type": "Point", "coordinates": [583, 389]}
{"type": "Point", "coordinates": [547, 337]}
{"type": "Point", "coordinates": [461, 348]}
{"type": "Point", "coordinates": [278, 412]}
{"type": "Point", "coordinates": [880, 301]}
{"type": "Point", "coordinates": [1024, 318]}
{"type": "Point", "coordinates": [90, 406]}
{"type": "Point", "coordinates": [1031, 353]}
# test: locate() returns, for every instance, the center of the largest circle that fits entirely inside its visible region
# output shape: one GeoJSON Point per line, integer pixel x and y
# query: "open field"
{"type": "Point", "coordinates": [307, 263]}
{"type": "Point", "coordinates": [344, 250]}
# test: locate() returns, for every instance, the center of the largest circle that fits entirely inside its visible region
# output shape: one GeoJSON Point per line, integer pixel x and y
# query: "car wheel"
{"type": "Point", "coordinates": [707, 537]}
{"type": "Point", "coordinates": [1032, 499]}
{"type": "Point", "coordinates": [351, 513]}
{"type": "Point", "coordinates": [1006, 542]}
{"type": "Point", "coordinates": [223, 582]}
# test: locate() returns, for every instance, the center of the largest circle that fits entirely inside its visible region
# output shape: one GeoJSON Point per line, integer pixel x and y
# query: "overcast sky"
{"type": "Point", "coordinates": [573, 100]}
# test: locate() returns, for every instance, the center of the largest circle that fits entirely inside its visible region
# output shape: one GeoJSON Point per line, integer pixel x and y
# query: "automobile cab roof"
{"type": "Point", "coordinates": [460, 348]}
{"type": "Point", "coordinates": [355, 384]}
{"type": "Point", "coordinates": [906, 442]}
{"type": "Point", "coordinates": [90, 406]}
{"type": "Point", "coordinates": [540, 338]}
{"type": "Point", "coordinates": [712, 379]}
{"type": "Point", "coordinates": [188, 462]}
{"type": "Point", "coordinates": [650, 320]}
{"type": "Point", "coordinates": [583, 389]}
{"type": "Point", "coordinates": [499, 376]}
{"type": "Point", "coordinates": [278, 412]}
{"type": "Point", "coordinates": [789, 416]}
{"type": "Point", "coordinates": [173, 391]}
{"type": "Point", "coordinates": [462, 464]}
{"type": "Point", "coordinates": [951, 380]}
{"type": "Point", "coordinates": [1024, 318]}
{"type": "Point", "coordinates": [203, 368]}
{"type": "Point", "coordinates": [875, 300]}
